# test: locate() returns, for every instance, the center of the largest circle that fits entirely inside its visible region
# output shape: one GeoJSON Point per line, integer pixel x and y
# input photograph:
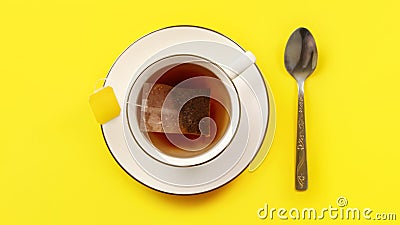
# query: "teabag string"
{"type": "Point", "coordinates": [104, 102]}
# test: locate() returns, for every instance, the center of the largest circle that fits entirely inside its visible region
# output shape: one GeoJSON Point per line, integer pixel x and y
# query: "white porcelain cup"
{"type": "Point", "coordinates": [180, 150]}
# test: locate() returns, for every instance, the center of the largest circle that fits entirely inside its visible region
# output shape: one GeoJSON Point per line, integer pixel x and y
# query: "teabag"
{"type": "Point", "coordinates": [162, 105]}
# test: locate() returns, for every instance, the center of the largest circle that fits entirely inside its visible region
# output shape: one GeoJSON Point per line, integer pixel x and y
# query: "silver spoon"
{"type": "Point", "coordinates": [300, 61]}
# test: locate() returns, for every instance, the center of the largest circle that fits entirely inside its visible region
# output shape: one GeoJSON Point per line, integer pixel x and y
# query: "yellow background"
{"type": "Point", "coordinates": [55, 167]}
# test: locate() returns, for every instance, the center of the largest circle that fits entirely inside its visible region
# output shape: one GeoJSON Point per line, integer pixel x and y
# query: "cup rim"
{"type": "Point", "coordinates": [145, 144]}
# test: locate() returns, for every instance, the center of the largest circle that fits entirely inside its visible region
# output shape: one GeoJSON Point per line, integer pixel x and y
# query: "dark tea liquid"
{"type": "Point", "coordinates": [217, 111]}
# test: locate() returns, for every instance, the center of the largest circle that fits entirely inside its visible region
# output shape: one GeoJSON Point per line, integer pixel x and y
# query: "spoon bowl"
{"type": "Point", "coordinates": [300, 61]}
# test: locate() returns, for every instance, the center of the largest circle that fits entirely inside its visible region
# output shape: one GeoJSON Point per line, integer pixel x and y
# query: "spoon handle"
{"type": "Point", "coordinates": [301, 159]}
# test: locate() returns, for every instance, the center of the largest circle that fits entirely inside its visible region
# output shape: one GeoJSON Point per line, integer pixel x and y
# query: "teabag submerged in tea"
{"type": "Point", "coordinates": [175, 110]}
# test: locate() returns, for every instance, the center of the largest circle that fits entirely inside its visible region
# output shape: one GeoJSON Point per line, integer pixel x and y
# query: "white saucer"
{"type": "Point", "coordinates": [239, 153]}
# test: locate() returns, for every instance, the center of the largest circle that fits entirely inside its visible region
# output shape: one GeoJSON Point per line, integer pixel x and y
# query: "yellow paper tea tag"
{"type": "Point", "coordinates": [104, 105]}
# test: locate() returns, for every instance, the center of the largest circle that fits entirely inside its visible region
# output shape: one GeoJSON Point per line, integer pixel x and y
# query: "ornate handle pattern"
{"type": "Point", "coordinates": [301, 159]}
